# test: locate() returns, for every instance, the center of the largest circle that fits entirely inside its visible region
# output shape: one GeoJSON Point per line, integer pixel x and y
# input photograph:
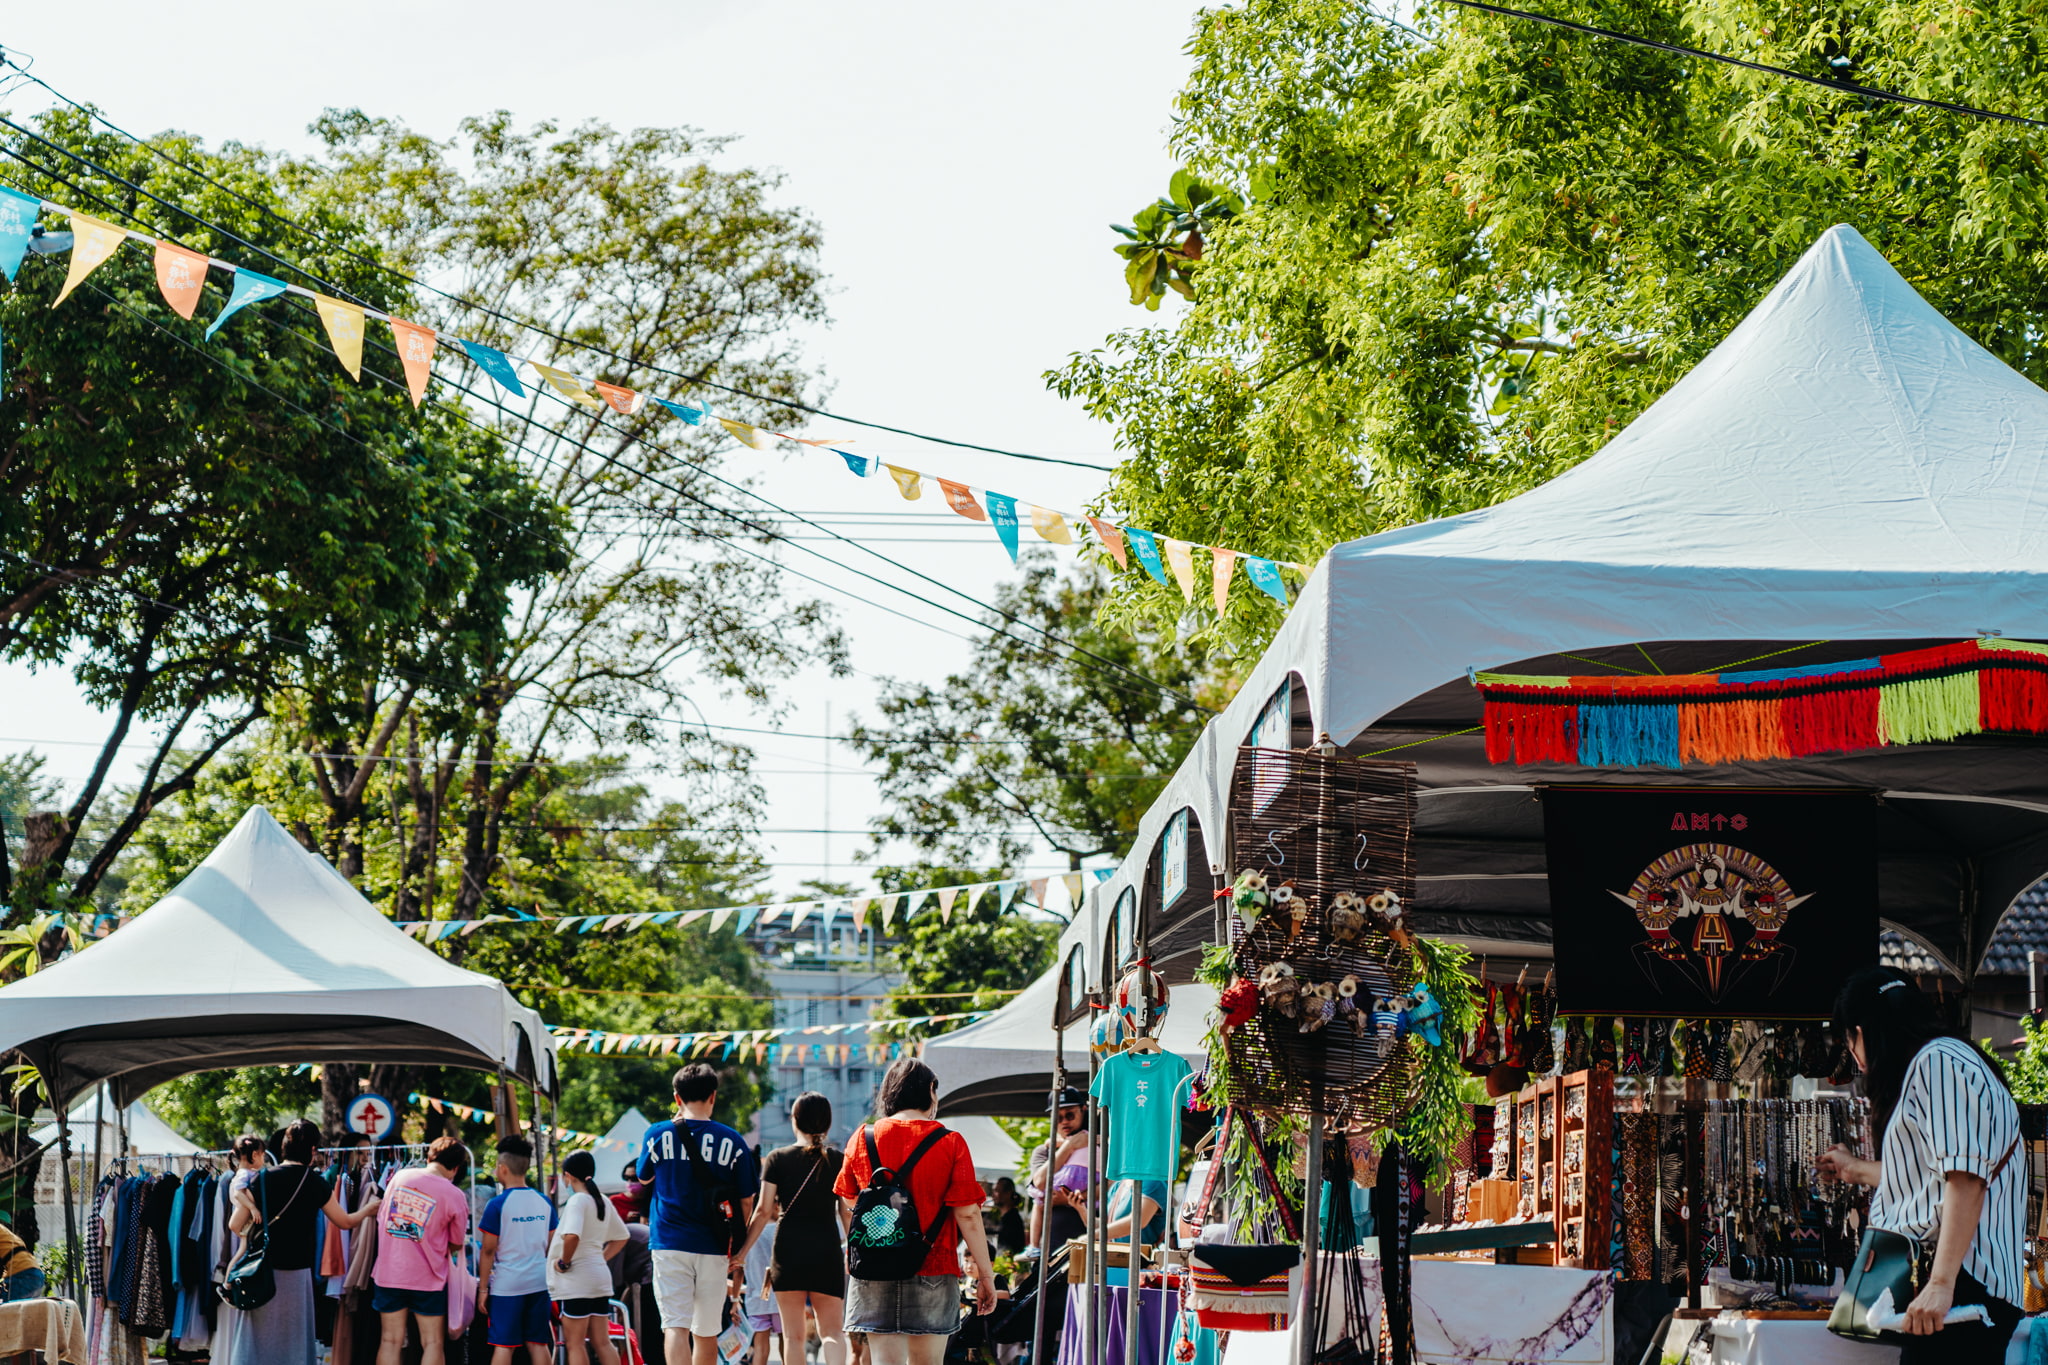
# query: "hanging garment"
{"type": "Point", "coordinates": [1511, 1050]}
{"type": "Point", "coordinates": [1657, 1058]}
{"type": "Point", "coordinates": [1603, 1044]}
{"type": "Point", "coordinates": [149, 1311]}
{"type": "Point", "coordinates": [1542, 1014]}
{"type": "Point", "coordinates": [1635, 1046]}
{"type": "Point", "coordinates": [1485, 1050]}
{"type": "Point", "coordinates": [1578, 1049]}
{"type": "Point", "coordinates": [1696, 1050]}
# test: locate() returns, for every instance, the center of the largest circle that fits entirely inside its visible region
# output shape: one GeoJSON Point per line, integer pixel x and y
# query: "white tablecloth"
{"type": "Point", "coordinates": [1744, 1341]}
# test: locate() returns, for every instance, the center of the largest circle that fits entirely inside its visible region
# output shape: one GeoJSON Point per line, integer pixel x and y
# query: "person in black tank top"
{"type": "Point", "coordinates": [808, 1269]}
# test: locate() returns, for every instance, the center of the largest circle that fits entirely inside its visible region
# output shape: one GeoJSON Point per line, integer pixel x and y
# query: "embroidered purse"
{"type": "Point", "coordinates": [1245, 1288]}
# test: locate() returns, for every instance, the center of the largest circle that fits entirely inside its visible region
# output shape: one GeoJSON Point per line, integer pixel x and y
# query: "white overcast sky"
{"type": "Point", "coordinates": [963, 161]}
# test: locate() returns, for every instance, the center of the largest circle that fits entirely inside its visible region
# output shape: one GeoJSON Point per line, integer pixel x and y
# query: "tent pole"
{"type": "Point", "coordinates": [1052, 1146]}
{"type": "Point", "coordinates": [1310, 1316]}
{"type": "Point", "coordinates": [71, 1246]}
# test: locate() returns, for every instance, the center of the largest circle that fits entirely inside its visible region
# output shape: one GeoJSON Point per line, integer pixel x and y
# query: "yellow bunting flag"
{"type": "Point", "coordinates": [344, 332]}
{"type": "Point", "coordinates": [961, 500]}
{"type": "Point", "coordinates": [415, 352]}
{"type": "Point", "coordinates": [1180, 558]}
{"type": "Point", "coordinates": [909, 482]}
{"type": "Point", "coordinates": [1225, 564]}
{"type": "Point", "coordinates": [889, 904]}
{"type": "Point", "coordinates": [1113, 540]}
{"type": "Point", "coordinates": [946, 899]}
{"type": "Point", "coordinates": [625, 402]}
{"type": "Point", "coordinates": [747, 434]}
{"type": "Point", "coordinates": [567, 385]}
{"type": "Point", "coordinates": [179, 273]}
{"type": "Point", "coordinates": [1051, 526]}
{"type": "Point", "coordinates": [92, 242]}
{"type": "Point", "coordinates": [1074, 881]}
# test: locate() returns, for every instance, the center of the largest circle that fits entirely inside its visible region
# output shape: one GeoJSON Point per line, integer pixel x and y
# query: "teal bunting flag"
{"type": "Point", "coordinates": [861, 465]}
{"type": "Point", "coordinates": [250, 287]}
{"type": "Point", "coordinates": [1265, 576]}
{"type": "Point", "coordinates": [694, 416]}
{"type": "Point", "coordinates": [17, 224]}
{"type": "Point", "coordinates": [746, 919]}
{"type": "Point", "coordinates": [497, 365]}
{"type": "Point", "coordinates": [1002, 510]}
{"type": "Point", "coordinates": [1147, 547]}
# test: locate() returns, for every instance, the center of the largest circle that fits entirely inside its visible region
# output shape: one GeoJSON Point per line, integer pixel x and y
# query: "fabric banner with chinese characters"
{"type": "Point", "coordinates": [1701, 901]}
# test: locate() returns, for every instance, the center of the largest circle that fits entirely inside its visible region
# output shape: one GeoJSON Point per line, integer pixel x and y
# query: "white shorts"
{"type": "Point", "coordinates": [689, 1288]}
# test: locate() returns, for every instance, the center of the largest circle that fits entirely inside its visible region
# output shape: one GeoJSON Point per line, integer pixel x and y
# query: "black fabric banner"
{"type": "Point", "coordinates": [1709, 902]}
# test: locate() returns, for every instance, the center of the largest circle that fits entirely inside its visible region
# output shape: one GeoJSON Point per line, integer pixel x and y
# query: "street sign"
{"type": "Point", "coordinates": [372, 1116]}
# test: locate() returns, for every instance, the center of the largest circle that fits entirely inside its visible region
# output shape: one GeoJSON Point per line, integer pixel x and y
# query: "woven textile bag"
{"type": "Point", "coordinates": [1250, 1287]}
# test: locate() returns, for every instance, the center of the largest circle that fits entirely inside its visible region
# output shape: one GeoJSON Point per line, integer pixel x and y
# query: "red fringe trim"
{"type": "Point", "coordinates": [1829, 722]}
{"type": "Point", "coordinates": [1521, 732]}
{"type": "Point", "coordinates": [2013, 699]}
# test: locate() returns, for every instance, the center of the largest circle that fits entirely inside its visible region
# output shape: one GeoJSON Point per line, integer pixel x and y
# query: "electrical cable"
{"type": "Point", "coordinates": [488, 311]}
{"type": "Point", "coordinates": [1835, 83]}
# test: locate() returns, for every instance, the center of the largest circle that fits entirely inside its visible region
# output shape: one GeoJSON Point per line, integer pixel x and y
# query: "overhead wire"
{"type": "Point", "coordinates": [522, 323]}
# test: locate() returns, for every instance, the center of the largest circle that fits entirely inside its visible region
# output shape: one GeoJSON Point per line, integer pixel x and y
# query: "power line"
{"type": "Point", "coordinates": [485, 309]}
{"type": "Point", "coordinates": [1839, 84]}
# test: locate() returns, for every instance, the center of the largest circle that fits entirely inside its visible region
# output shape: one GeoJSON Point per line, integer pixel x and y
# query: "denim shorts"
{"type": "Point", "coordinates": [423, 1303]}
{"type": "Point", "coordinates": [922, 1306]}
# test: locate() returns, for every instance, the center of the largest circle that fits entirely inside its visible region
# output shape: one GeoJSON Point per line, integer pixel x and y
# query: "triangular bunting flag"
{"type": "Point", "coordinates": [974, 895]}
{"type": "Point", "coordinates": [860, 912]}
{"type": "Point", "coordinates": [889, 904]}
{"type": "Point", "coordinates": [1038, 885]}
{"type": "Point", "coordinates": [1073, 882]}
{"type": "Point", "coordinates": [1112, 538]}
{"type": "Point", "coordinates": [1265, 576]}
{"type": "Point", "coordinates": [1181, 557]}
{"type": "Point", "coordinates": [624, 402]}
{"type": "Point", "coordinates": [909, 482]}
{"type": "Point", "coordinates": [497, 365]}
{"type": "Point", "coordinates": [93, 241]}
{"type": "Point", "coordinates": [416, 353]}
{"type": "Point", "coordinates": [1002, 510]}
{"type": "Point", "coordinates": [859, 464]}
{"type": "Point", "coordinates": [567, 385]}
{"type": "Point", "coordinates": [947, 895]}
{"type": "Point", "coordinates": [797, 914]}
{"type": "Point", "coordinates": [1146, 546]}
{"type": "Point", "coordinates": [747, 434]}
{"type": "Point", "coordinates": [179, 274]}
{"type": "Point", "coordinates": [961, 500]}
{"type": "Point", "coordinates": [694, 416]}
{"type": "Point", "coordinates": [344, 323]}
{"type": "Point", "coordinates": [18, 213]}
{"type": "Point", "coordinates": [1051, 526]}
{"type": "Point", "coordinates": [1223, 564]}
{"type": "Point", "coordinates": [250, 287]}
{"type": "Point", "coordinates": [746, 919]}
{"type": "Point", "coordinates": [719, 917]}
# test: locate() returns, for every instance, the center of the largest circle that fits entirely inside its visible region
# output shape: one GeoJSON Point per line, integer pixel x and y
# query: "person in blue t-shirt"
{"type": "Point", "coordinates": [512, 1273]}
{"type": "Point", "coordinates": [704, 1178]}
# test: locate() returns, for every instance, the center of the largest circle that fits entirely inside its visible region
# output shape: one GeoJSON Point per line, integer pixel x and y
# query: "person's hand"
{"type": "Point", "coordinates": [985, 1291]}
{"type": "Point", "coordinates": [483, 1298]}
{"type": "Point", "coordinates": [1840, 1163]}
{"type": "Point", "coordinates": [735, 1264]}
{"type": "Point", "coordinates": [1928, 1312]}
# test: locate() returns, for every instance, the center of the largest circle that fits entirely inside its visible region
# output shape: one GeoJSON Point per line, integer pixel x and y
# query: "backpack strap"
{"type": "Point", "coordinates": [901, 1175]}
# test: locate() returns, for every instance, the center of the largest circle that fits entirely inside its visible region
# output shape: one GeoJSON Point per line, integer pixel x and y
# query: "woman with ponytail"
{"type": "Point", "coordinates": [579, 1280]}
{"type": "Point", "coordinates": [808, 1269]}
{"type": "Point", "coordinates": [1950, 1168]}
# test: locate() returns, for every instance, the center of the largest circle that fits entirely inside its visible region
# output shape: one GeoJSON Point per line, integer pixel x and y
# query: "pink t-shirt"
{"type": "Point", "coordinates": [422, 1219]}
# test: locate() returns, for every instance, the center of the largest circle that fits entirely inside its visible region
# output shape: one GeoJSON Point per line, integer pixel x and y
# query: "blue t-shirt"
{"type": "Point", "coordinates": [522, 1218]}
{"type": "Point", "coordinates": [1141, 1090]}
{"type": "Point", "coordinates": [683, 1217]}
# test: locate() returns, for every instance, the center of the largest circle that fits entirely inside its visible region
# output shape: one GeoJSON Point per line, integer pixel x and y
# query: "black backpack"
{"type": "Point", "coordinates": [886, 1242]}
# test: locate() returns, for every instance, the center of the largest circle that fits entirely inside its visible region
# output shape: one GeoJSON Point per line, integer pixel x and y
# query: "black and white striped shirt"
{"type": "Point", "coordinates": [1954, 1115]}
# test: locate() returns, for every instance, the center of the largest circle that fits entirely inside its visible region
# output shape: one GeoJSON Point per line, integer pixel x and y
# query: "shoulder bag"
{"type": "Point", "coordinates": [1251, 1287]}
{"type": "Point", "coordinates": [251, 1282]}
{"type": "Point", "coordinates": [1888, 1271]}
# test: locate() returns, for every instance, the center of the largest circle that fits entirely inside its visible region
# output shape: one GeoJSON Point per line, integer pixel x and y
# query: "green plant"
{"type": "Point", "coordinates": [2026, 1071]}
{"type": "Point", "coordinates": [1437, 1122]}
{"type": "Point", "coordinates": [1167, 237]}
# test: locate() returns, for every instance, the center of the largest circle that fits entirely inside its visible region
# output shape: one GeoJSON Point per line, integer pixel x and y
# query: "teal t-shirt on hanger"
{"type": "Point", "coordinates": [1139, 1090]}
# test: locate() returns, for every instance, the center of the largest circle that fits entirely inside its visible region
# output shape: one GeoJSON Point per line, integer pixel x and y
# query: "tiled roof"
{"type": "Point", "coordinates": [2024, 927]}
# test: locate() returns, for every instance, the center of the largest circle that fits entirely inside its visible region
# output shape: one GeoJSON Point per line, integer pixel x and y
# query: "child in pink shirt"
{"type": "Point", "coordinates": [423, 1220]}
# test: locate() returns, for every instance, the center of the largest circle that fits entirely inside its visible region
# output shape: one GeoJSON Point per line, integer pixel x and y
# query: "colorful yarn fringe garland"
{"type": "Point", "coordinates": [1920, 697]}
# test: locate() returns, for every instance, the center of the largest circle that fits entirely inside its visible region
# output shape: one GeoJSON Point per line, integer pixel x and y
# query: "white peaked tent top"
{"type": "Point", "coordinates": [996, 1153]}
{"type": "Point", "coordinates": [625, 1135]}
{"type": "Point", "coordinates": [264, 954]}
{"type": "Point", "coordinates": [1845, 466]}
{"type": "Point", "coordinates": [148, 1134]}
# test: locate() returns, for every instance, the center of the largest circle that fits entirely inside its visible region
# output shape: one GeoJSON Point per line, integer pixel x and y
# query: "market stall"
{"type": "Point", "coordinates": [1687, 726]}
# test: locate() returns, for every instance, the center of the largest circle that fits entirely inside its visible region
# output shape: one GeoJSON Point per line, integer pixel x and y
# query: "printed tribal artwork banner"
{"type": "Point", "coordinates": [1709, 901]}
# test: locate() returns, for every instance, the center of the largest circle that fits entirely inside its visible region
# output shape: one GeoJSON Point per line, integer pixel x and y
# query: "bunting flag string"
{"type": "Point", "coordinates": [181, 273]}
{"type": "Point", "coordinates": [802, 1044]}
{"type": "Point", "coordinates": [469, 1113]}
{"type": "Point", "coordinates": [885, 908]}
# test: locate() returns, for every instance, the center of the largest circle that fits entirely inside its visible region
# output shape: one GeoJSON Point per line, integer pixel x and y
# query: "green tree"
{"type": "Point", "coordinates": [1481, 245]}
{"type": "Point", "coordinates": [1167, 237]}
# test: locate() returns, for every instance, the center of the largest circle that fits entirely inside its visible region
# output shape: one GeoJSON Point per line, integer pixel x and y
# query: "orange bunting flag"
{"type": "Point", "coordinates": [92, 242]}
{"type": "Point", "coordinates": [344, 332]}
{"type": "Point", "coordinates": [416, 353]}
{"type": "Point", "coordinates": [179, 273]}
{"type": "Point", "coordinates": [909, 482]}
{"type": "Point", "coordinates": [946, 899]}
{"type": "Point", "coordinates": [1225, 565]}
{"type": "Point", "coordinates": [624, 402]}
{"type": "Point", "coordinates": [1038, 885]}
{"type": "Point", "coordinates": [1112, 540]}
{"type": "Point", "coordinates": [1051, 526]}
{"type": "Point", "coordinates": [961, 500]}
{"type": "Point", "coordinates": [567, 385]}
{"type": "Point", "coordinates": [1180, 558]}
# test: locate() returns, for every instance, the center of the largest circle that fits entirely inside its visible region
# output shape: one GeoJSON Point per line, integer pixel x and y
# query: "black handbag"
{"type": "Point", "coordinates": [250, 1282]}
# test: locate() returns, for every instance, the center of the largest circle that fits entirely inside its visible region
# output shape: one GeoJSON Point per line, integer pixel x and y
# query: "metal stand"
{"type": "Point", "coordinates": [1309, 1340]}
{"type": "Point", "coordinates": [1052, 1143]}
{"type": "Point", "coordinates": [71, 1247]}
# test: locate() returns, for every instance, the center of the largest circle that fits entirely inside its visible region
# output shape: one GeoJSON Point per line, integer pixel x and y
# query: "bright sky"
{"type": "Point", "coordinates": [963, 160]}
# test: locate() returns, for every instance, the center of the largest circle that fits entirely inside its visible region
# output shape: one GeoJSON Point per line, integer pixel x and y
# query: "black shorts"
{"type": "Point", "coordinates": [584, 1308]}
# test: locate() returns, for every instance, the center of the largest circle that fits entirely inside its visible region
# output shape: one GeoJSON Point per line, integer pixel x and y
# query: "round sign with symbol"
{"type": "Point", "coordinates": [372, 1116]}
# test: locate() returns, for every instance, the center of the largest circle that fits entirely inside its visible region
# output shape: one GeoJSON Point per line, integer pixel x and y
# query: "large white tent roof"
{"type": "Point", "coordinates": [148, 1134]}
{"type": "Point", "coordinates": [1846, 467]}
{"type": "Point", "coordinates": [263, 955]}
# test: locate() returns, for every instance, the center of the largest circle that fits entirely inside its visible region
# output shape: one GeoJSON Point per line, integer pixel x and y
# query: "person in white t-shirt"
{"type": "Point", "coordinates": [512, 1273]}
{"type": "Point", "coordinates": [579, 1279]}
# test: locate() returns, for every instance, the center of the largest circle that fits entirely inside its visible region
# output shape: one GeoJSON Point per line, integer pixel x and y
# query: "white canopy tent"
{"type": "Point", "coordinates": [623, 1138]}
{"type": "Point", "coordinates": [996, 1153]}
{"type": "Point", "coordinates": [148, 1134]}
{"type": "Point", "coordinates": [263, 955]}
{"type": "Point", "coordinates": [1845, 468]}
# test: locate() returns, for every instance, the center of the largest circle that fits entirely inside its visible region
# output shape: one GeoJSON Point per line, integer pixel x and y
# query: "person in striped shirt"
{"type": "Point", "coordinates": [1950, 1167]}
